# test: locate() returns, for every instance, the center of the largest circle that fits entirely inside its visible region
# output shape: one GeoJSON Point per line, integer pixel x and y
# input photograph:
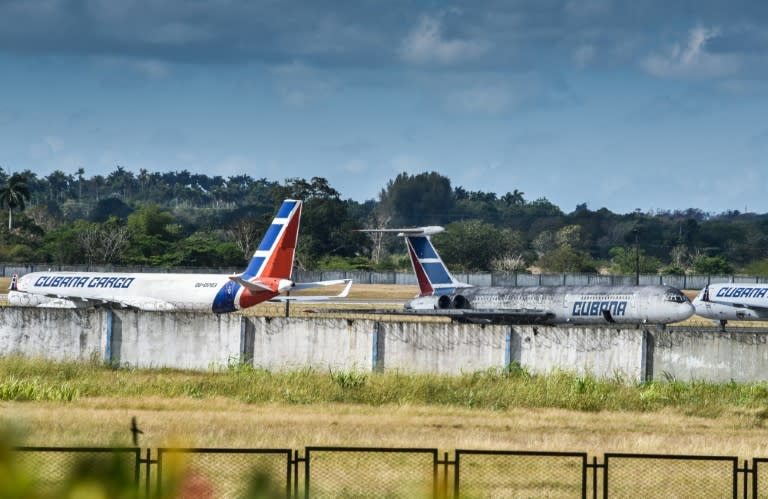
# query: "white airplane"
{"type": "Point", "coordinates": [730, 301]}
{"type": "Point", "coordinates": [442, 294]}
{"type": "Point", "coordinates": [267, 276]}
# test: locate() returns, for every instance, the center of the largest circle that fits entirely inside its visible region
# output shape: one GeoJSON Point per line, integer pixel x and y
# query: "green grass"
{"type": "Point", "coordinates": [23, 379]}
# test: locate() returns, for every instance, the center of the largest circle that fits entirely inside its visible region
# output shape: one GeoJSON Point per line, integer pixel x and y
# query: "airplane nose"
{"type": "Point", "coordinates": [686, 311]}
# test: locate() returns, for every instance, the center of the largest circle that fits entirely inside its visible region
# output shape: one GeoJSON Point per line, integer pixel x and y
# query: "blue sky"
{"type": "Point", "coordinates": [654, 105]}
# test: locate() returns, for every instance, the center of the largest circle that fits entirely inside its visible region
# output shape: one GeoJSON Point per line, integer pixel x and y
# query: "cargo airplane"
{"type": "Point", "coordinates": [730, 301]}
{"type": "Point", "coordinates": [442, 294]}
{"type": "Point", "coordinates": [267, 277]}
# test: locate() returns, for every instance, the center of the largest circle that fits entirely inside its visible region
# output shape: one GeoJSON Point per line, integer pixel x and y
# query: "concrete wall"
{"type": "Point", "coordinates": [721, 357]}
{"type": "Point", "coordinates": [52, 333]}
{"type": "Point", "coordinates": [203, 341]}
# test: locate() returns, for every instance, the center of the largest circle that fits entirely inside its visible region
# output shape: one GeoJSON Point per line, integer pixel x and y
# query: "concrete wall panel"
{"type": "Point", "coordinates": [442, 347]}
{"type": "Point", "coordinates": [183, 340]}
{"type": "Point", "coordinates": [603, 352]}
{"type": "Point", "coordinates": [56, 334]}
{"type": "Point", "coordinates": [282, 343]}
{"type": "Point", "coordinates": [717, 357]}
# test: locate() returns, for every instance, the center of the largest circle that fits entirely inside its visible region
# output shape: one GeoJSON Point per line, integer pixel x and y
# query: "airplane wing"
{"type": "Point", "coordinates": [308, 285]}
{"type": "Point", "coordinates": [522, 316]}
{"type": "Point", "coordinates": [59, 300]}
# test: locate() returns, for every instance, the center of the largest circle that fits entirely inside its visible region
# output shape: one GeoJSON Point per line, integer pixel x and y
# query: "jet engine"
{"type": "Point", "coordinates": [441, 302]}
{"type": "Point", "coordinates": [460, 301]}
{"type": "Point", "coordinates": [429, 303]}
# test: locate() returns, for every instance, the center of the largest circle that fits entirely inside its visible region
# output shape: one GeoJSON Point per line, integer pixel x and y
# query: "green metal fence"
{"type": "Point", "coordinates": [318, 472]}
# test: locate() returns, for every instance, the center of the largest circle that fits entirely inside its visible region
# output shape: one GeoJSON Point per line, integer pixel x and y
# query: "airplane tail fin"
{"type": "Point", "coordinates": [274, 256]}
{"type": "Point", "coordinates": [433, 276]}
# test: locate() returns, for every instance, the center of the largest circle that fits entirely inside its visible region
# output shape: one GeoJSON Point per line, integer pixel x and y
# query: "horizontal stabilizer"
{"type": "Point", "coordinates": [253, 286]}
{"type": "Point", "coordinates": [308, 285]}
{"type": "Point", "coordinates": [413, 231]}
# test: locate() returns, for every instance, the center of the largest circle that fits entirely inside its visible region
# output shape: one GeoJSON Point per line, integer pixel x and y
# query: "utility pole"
{"type": "Point", "coordinates": [637, 255]}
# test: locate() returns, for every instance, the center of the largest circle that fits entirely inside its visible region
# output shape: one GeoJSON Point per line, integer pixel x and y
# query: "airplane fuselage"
{"type": "Point", "coordinates": [731, 301]}
{"type": "Point", "coordinates": [143, 291]}
{"type": "Point", "coordinates": [567, 304]}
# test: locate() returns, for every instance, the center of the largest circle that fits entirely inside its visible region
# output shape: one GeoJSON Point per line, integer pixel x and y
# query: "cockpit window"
{"type": "Point", "coordinates": [676, 297]}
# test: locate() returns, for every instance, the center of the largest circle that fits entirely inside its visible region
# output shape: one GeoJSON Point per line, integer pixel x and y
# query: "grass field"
{"type": "Point", "coordinates": [73, 404]}
{"type": "Point", "coordinates": [88, 405]}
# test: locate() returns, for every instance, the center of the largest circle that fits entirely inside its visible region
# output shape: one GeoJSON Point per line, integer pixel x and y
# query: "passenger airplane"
{"type": "Point", "coordinates": [442, 294]}
{"type": "Point", "coordinates": [267, 276]}
{"type": "Point", "coordinates": [731, 301]}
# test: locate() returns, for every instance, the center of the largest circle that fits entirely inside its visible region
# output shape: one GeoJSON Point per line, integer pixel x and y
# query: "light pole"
{"type": "Point", "coordinates": [637, 255]}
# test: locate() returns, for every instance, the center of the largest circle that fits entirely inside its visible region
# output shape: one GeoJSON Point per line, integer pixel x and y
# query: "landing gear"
{"type": "Point", "coordinates": [722, 325]}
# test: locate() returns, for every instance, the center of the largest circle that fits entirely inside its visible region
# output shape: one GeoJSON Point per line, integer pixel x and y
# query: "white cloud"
{"type": "Point", "coordinates": [355, 166]}
{"type": "Point", "coordinates": [299, 85]}
{"type": "Point", "coordinates": [490, 99]}
{"type": "Point", "coordinates": [49, 146]}
{"type": "Point", "coordinates": [583, 55]}
{"type": "Point", "coordinates": [55, 144]}
{"type": "Point", "coordinates": [175, 33]}
{"type": "Point", "coordinates": [149, 68]}
{"type": "Point", "coordinates": [153, 69]}
{"type": "Point", "coordinates": [692, 60]}
{"type": "Point", "coordinates": [425, 45]}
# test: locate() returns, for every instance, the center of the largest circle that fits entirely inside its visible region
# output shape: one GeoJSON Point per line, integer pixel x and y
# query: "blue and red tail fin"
{"type": "Point", "coordinates": [433, 276]}
{"type": "Point", "coordinates": [275, 254]}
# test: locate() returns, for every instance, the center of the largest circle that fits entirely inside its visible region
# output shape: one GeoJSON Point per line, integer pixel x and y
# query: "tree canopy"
{"type": "Point", "coordinates": [181, 218]}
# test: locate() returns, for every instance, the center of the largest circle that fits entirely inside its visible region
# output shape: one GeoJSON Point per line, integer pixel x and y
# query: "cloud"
{"type": "Point", "coordinates": [152, 69]}
{"type": "Point", "coordinates": [48, 147]}
{"type": "Point", "coordinates": [299, 85]}
{"type": "Point", "coordinates": [489, 99]}
{"type": "Point", "coordinates": [356, 166]}
{"type": "Point", "coordinates": [583, 55]}
{"type": "Point", "coordinates": [425, 44]}
{"type": "Point", "coordinates": [692, 60]}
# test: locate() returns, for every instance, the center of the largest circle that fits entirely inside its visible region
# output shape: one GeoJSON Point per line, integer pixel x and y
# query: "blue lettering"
{"type": "Point", "coordinates": [761, 293]}
{"type": "Point", "coordinates": [81, 282]}
{"type": "Point", "coordinates": [110, 282]}
{"type": "Point", "coordinates": [93, 282]}
{"type": "Point", "coordinates": [594, 309]}
{"type": "Point", "coordinates": [576, 308]}
{"type": "Point", "coordinates": [128, 281]}
{"type": "Point", "coordinates": [621, 308]}
{"type": "Point", "coordinates": [40, 280]}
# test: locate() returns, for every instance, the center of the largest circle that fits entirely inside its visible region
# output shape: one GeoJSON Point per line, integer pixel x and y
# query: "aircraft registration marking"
{"type": "Point", "coordinates": [206, 284]}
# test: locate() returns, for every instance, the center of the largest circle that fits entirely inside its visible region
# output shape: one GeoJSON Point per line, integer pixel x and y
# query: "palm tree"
{"type": "Point", "coordinates": [14, 195]}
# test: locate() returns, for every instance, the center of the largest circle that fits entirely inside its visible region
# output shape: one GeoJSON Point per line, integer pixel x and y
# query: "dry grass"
{"type": "Point", "coordinates": [226, 423]}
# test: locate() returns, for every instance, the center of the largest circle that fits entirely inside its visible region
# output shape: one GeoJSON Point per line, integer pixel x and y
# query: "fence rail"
{"type": "Point", "coordinates": [409, 278]}
{"type": "Point", "coordinates": [384, 472]}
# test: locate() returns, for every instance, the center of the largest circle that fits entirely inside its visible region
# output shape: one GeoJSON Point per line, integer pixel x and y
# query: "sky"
{"type": "Point", "coordinates": [652, 105]}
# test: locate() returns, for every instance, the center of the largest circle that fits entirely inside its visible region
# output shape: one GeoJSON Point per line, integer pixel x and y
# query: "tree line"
{"type": "Point", "coordinates": [170, 219]}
